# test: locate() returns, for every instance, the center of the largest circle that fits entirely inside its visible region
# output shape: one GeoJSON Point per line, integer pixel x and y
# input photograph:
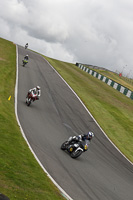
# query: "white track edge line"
{"type": "Point", "coordinates": [64, 194]}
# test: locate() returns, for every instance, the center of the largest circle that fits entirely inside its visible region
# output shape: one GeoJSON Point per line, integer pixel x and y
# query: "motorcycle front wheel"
{"type": "Point", "coordinates": [28, 102]}
{"type": "Point", "coordinates": [76, 154]}
{"type": "Point", "coordinates": [63, 146]}
{"type": "Point", "coordinates": [24, 64]}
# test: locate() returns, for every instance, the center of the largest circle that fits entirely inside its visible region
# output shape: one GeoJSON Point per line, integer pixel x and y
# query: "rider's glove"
{"type": "Point", "coordinates": [70, 139]}
{"type": "Point", "coordinates": [74, 137]}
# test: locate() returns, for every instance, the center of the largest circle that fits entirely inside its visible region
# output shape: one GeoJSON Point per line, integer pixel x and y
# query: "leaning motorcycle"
{"type": "Point", "coordinates": [74, 148]}
{"type": "Point", "coordinates": [26, 46]}
{"type": "Point", "coordinates": [24, 62]}
{"type": "Point", "coordinates": [30, 98]}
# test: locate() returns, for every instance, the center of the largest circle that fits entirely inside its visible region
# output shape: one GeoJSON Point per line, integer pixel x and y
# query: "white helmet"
{"type": "Point", "coordinates": [38, 87]}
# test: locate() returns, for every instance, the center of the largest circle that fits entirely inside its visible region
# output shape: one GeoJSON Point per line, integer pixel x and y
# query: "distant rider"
{"type": "Point", "coordinates": [81, 138]}
{"type": "Point", "coordinates": [26, 57]}
{"type": "Point", "coordinates": [36, 90]}
{"type": "Point", "coordinates": [26, 46]}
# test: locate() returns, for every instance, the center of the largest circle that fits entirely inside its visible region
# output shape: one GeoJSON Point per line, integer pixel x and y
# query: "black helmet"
{"type": "Point", "coordinates": [89, 135]}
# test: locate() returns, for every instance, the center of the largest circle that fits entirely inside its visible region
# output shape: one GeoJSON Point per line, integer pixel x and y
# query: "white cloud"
{"type": "Point", "coordinates": [94, 32]}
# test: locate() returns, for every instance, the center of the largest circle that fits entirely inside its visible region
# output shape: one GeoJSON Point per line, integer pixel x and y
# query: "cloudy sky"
{"type": "Point", "coordinates": [96, 32]}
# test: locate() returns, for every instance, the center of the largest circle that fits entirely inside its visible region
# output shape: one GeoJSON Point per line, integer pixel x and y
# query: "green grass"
{"type": "Point", "coordinates": [21, 177]}
{"type": "Point", "coordinates": [112, 110]}
{"type": "Point", "coordinates": [127, 82]}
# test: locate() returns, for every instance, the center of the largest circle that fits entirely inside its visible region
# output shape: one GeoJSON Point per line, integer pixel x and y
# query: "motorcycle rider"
{"type": "Point", "coordinates": [26, 46]}
{"type": "Point", "coordinates": [81, 137]}
{"type": "Point", "coordinates": [36, 90]}
{"type": "Point", "coordinates": [26, 58]}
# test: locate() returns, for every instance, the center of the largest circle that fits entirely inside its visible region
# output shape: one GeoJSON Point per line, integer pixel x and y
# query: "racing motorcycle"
{"type": "Point", "coordinates": [26, 46]}
{"type": "Point", "coordinates": [75, 148]}
{"type": "Point", "coordinates": [31, 97]}
{"type": "Point", "coordinates": [24, 62]}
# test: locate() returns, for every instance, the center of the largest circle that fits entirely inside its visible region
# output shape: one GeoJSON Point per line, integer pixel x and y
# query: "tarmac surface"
{"type": "Point", "coordinates": [101, 173]}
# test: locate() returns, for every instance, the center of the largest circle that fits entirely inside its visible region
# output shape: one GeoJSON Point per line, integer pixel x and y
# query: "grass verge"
{"type": "Point", "coordinates": [20, 175]}
{"type": "Point", "coordinates": [127, 82]}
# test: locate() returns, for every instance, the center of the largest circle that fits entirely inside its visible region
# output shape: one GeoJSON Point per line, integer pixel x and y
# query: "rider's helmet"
{"type": "Point", "coordinates": [26, 55]}
{"type": "Point", "coordinates": [89, 135]}
{"type": "Point", "coordinates": [38, 87]}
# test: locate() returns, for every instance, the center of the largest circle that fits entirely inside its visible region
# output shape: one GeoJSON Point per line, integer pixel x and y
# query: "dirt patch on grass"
{"type": "Point", "coordinates": [2, 59]}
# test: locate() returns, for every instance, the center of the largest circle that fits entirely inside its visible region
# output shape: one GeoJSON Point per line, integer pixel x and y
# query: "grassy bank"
{"type": "Point", "coordinates": [20, 175]}
{"type": "Point", "coordinates": [127, 82]}
{"type": "Point", "coordinates": [112, 110]}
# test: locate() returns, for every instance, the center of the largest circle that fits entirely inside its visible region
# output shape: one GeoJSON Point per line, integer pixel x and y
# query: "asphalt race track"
{"type": "Point", "coordinates": [101, 173]}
